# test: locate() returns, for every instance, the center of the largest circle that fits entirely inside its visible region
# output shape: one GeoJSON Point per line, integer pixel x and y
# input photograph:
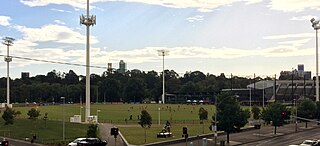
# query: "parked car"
{"type": "Point", "coordinates": [74, 143]}
{"type": "Point", "coordinates": [92, 142]}
{"type": "Point", "coordinates": [309, 143]}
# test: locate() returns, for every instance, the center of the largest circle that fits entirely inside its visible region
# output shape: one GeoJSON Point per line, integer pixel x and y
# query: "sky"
{"type": "Point", "coordinates": [238, 37]}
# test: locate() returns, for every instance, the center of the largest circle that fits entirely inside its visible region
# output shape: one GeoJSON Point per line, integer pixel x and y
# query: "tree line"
{"type": "Point", "coordinates": [111, 86]}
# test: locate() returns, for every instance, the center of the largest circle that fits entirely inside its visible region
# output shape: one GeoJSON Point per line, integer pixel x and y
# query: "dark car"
{"type": "Point", "coordinates": [92, 142]}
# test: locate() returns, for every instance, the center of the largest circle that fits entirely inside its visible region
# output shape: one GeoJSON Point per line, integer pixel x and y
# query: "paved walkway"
{"type": "Point", "coordinates": [104, 129]}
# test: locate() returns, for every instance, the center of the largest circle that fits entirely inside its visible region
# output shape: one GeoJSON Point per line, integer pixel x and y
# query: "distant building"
{"type": "Point", "coordinates": [299, 74]}
{"type": "Point", "coordinates": [122, 67]}
{"type": "Point", "coordinates": [284, 91]}
{"type": "Point", "coordinates": [307, 75]}
{"type": "Point", "coordinates": [25, 75]}
{"type": "Point", "coordinates": [109, 67]}
{"type": "Point", "coordinates": [300, 70]}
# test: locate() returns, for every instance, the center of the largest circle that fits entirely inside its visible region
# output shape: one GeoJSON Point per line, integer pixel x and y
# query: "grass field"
{"type": "Point", "coordinates": [179, 115]}
{"type": "Point", "coordinates": [117, 113]}
{"type": "Point", "coordinates": [51, 132]}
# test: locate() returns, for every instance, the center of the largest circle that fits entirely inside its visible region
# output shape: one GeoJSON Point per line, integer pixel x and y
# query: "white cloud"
{"type": "Point", "coordinates": [59, 10]}
{"type": "Point", "coordinates": [149, 54]}
{"type": "Point", "coordinates": [299, 35]}
{"type": "Point", "coordinates": [201, 5]}
{"type": "Point", "coordinates": [59, 22]}
{"type": "Point", "coordinates": [99, 56]}
{"type": "Point", "coordinates": [53, 33]}
{"type": "Point", "coordinates": [4, 20]}
{"type": "Point", "coordinates": [304, 18]}
{"type": "Point", "coordinates": [195, 18]}
{"type": "Point", "coordinates": [297, 43]}
{"type": "Point", "coordinates": [294, 5]}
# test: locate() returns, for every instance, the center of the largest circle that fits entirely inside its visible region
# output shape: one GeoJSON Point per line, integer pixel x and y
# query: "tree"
{"type": "Point", "coordinates": [110, 88]}
{"type": "Point", "coordinates": [33, 114]}
{"type": "Point", "coordinates": [273, 113]}
{"type": "Point", "coordinates": [9, 114]}
{"type": "Point", "coordinates": [317, 115]}
{"type": "Point", "coordinates": [45, 118]}
{"type": "Point", "coordinates": [203, 115]}
{"type": "Point", "coordinates": [71, 78]}
{"type": "Point", "coordinates": [92, 131]}
{"type": "Point", "coordinates": [135, 89]}
{"type": "Point", "coordinates": [145, 122]}
{"type": "Point", "coordinates": [230, 116]}
{"type": "Point", "coordinates": [307, 109]}
{"type": "Point", "coordinates": [256, 112]}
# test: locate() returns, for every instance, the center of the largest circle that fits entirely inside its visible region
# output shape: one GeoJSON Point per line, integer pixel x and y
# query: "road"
{"type": "Point", "coordinates": [264, 137]}
{"type": "Point", "coordinates": [293, 138]}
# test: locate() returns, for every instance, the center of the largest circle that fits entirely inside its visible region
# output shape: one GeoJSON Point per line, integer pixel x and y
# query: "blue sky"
{"type": "Point", "coordinates": [241, 37]}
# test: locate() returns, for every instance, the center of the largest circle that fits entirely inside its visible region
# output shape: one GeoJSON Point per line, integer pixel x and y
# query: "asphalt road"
{"type": "Point", "coordinates": [293, 138]}
{"type": "Point", "coordinates": [104, 129]}
{"type": "Point", "coordinates": [265, 137]}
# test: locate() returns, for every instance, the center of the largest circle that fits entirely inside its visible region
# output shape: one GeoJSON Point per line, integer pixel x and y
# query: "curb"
{"type": "Point", "coordinates": [275, 136]}
{"type": "Point", "coordinates": [22, 141]}
{"type": "Point", "coordinates": [180, 140]}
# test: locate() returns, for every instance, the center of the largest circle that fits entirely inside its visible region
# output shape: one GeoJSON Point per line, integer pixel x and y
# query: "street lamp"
{"type": "Point", "coordinates": [88, 21]}
{"type": "Point", "coordinates": [163, 53]}
{"type": "Point", "coordinates": [8, 41]}
{"type": "Point", "coordinates": [81, 107]}
{"type": "Point", "coordinates": [159, 116]}
{"type": "Point", "coordinates": [316, 26]}
{"type": "Point", "coordinates": [296, 119]}
{"type": "Point", "coordinates": [63, 122]}
{"type": "Point", "coordinates": [215, 122]}
{"type": "Point", "coordinates": [98, 114]}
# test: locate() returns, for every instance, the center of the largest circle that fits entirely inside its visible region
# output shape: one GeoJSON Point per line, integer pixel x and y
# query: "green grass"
{"type": "Point", "coordinates": [51, 132]}
{"type": "Point", "coordinates": [179, 115]}
{"type": "Point", "coordinates": [135, 134]}
{"type": "Point", "coordinates": [117, 113]}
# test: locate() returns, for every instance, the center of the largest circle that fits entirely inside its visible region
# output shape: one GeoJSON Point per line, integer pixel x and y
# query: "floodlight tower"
{"type": "Point", "coordinates": [88, 21]}
{"type": "Point", "coordinates": [316, 26]}
{"type": "Point", "coordinates": [8, 41]}
{"type": "Point", "coordinates": [163, 53]}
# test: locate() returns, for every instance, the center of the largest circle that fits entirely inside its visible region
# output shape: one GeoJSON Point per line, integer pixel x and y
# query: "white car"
{"type": "Point", "coordinates": [308, 143]}
{"type": "Point", "coordinates": [74, 143]}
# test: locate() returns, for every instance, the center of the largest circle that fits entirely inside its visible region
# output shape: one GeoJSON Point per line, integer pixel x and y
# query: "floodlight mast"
{"type": "Point", "coordinates": [316, 26]}
{"type": "Point", "coordinates": [8, 41]}
{"type": "Point", "coordinates": [163, 53]}
{"type": "Point", "coordinates": [88, 21]}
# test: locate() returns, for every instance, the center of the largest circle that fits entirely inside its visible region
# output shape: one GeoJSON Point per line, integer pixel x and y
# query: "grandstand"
{"type": "Point", "coordinates": [284, 91]}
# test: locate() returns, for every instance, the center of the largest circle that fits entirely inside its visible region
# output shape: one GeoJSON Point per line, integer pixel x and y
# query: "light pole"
{"type": "Point", "coordinates": [63, 122]}
{"type": "Point", "coordinates": [98, 111]}
{"type": "Point", "coordinates": [81, 107]}
{"type": "Point", "coordinates": [296, 109]}
{"type": "Point", "coordinates": [250, 100]}
{"type": "Point", "coordinates": [163, 53]}
{"type": "Point", "coordinates": [215, 122]}
{"type": "Point", "coordinates": [316, 26]}
{"type": "Point", "coordinates": [8, 41]}
{"type": "Point", "coordinates": [159, 116]}
{"type": "Point", "coordinates": [88, 21]}
{"type": "Point", "coordinates": [263, 94]}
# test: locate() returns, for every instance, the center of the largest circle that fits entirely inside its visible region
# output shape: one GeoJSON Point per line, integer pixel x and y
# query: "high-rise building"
{"type": "Point", "coordinates": [298, 74]}
{"type": "Point", "coordinates": [109, 67]}
{"type": "Point", "coordinates": [300, 70]}
{"type": "Point", "coordinates": [307, 75]}
{"type": "Point", "coordinates": [25, 75]}
{"type": "Point", "coordinates": [122, 67]}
